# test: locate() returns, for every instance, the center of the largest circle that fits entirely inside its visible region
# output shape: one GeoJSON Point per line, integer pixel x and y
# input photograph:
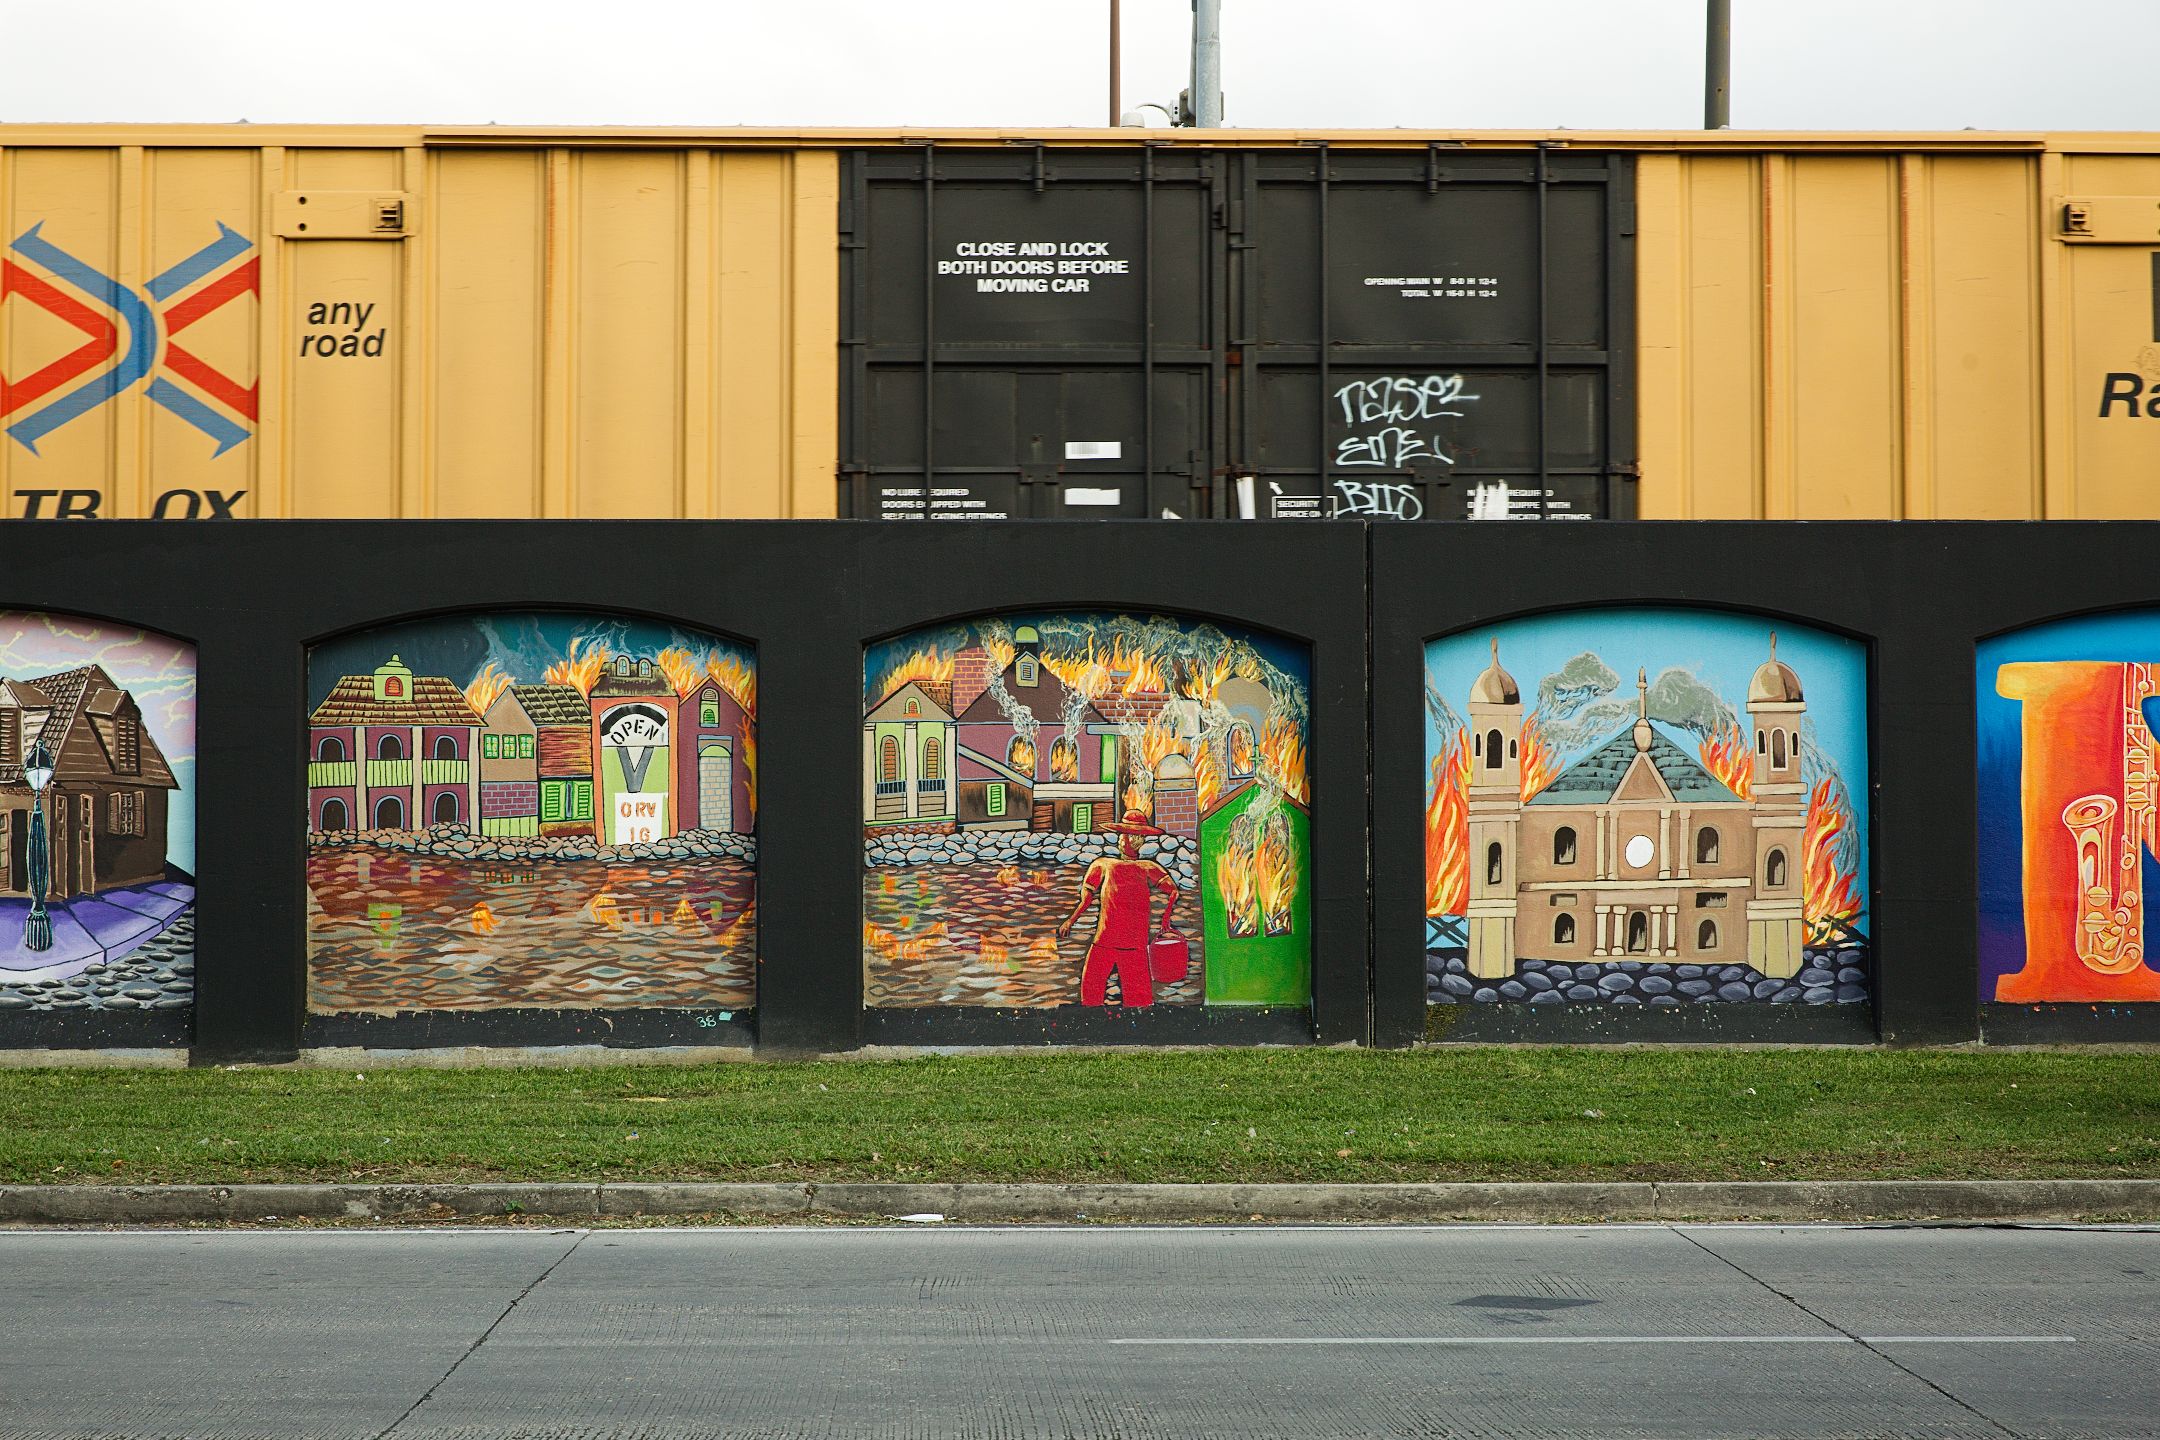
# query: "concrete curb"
{"type": "Point", "coordinates": [1797, 1201]}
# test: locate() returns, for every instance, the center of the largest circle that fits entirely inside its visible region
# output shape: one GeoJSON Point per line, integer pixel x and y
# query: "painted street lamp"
{"type": "Point", "coordinates": [38, 773]}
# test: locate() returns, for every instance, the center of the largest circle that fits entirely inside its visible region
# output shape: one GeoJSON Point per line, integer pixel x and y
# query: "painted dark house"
{"type": "Point", "coordinates": [393, 751]}
{"type": "Point", "coordinates": [1014, 779]}
{"type": "Point", "coordinates": [106, 808]}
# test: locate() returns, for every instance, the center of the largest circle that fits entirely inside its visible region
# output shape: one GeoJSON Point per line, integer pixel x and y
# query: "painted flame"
{"type": "Point", "coordinates": [1241, 750]}
{"type": "Point", "coordinates": [1540, 762]}
{"type": "Point", "coordinates": [1160, 740]}
{"type": "Point", "coordinates": [1275, 874]}
{"type": "Point", "coordinates": [581, 666]}
{"type": "Point", "coordinates": [1207, 775]}
{"type": "Point", "coordinates": [923, 666]}
{"type": "Point", "coordinates": [1064, 761]}
{"type": "Point", "coordinates": [1202, 680]}
{"type": "Point", "coordinates": [1829, 893]}
{"type": "Point", "coordinates": [1725, 754]}
{"type": "Point", "coordinates": [486, 688]}
{"type": "Point", "coordinates": [1447, 831]}
{"type": "Point", "coordinates": [1282, 755]}
{"type": "Point", "coordinates": [1236, 882]}
{"type": "Point", "coordinates": [1021, 755]}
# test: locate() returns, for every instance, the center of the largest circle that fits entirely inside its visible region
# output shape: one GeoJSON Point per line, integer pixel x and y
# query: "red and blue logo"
{"type": "Point", "coordinates": [103, 309]}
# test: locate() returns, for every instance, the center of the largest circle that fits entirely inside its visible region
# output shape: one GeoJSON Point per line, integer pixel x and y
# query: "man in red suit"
{"type": "Point", "coordinates": [1123, 883]}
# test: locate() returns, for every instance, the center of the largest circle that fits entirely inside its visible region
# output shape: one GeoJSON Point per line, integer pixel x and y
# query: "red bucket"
{"type": "Point", "coordinates": [1169, 957]}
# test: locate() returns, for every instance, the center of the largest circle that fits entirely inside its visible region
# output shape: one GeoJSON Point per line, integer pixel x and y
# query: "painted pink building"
{"type": "Point", "coordinates": [392, 751]}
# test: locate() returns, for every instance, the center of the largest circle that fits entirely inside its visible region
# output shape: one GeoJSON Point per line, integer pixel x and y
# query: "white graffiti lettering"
{"type": "Point", "coordinates": [1379, 501]}
{"type": "Point", "coordinates": [1389, 420]}
{"type": "Point", "coordinates": [1398, 399]}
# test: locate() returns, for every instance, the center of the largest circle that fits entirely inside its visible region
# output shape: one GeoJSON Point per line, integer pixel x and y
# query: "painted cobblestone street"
{"type": "Point", "coordinates": [391, 931]}
{"type": "Point", "coordinates": [985, 934]}
{"type": "Point", "coordinates": [1830, 977]}
{"type": "Point", "coordinates": [157, 975]}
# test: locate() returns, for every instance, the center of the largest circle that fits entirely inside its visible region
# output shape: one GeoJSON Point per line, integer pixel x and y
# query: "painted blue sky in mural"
{"type": "Point", "coordinates": [1699, 663]}
{"type": "Point", "coordinates": [159, 672]}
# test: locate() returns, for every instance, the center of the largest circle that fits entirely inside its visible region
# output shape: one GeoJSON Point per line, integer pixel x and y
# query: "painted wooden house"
{"type": "Point", "coordinates": [105, 811]}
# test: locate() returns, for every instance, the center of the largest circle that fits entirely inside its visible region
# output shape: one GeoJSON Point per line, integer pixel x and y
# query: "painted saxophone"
{"type": "Point", "coordinates": [2111, 912]}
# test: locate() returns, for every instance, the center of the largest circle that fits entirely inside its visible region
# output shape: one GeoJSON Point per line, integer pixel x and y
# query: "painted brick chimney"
{"type": "Point", "coordinates": [970, 677]}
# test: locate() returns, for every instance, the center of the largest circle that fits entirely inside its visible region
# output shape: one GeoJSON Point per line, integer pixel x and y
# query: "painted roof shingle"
{"type": "Point", "coordinates": [554, 704]}
{"type": "Point", "coordinates": [1592, 779]}
{"type": "Point", "coordinates": [435, 701]}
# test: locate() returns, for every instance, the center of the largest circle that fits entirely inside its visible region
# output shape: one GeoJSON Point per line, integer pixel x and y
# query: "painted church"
{"type": "Point", "coordinates": [1636, 851]}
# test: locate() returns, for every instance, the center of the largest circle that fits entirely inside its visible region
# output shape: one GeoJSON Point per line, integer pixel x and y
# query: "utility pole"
{"type": "Point", "coordinates": [1717, 67]}
{"type": "Point", "coordinates": [1207, 64]}
{"type": "Point", "coordinates": [1117, 110]}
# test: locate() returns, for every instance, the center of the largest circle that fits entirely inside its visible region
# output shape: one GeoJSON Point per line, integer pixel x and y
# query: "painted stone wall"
{"type": "Point", "coordinates": [1667, 808]}
{"type": "Point", "coordinates": [1043, 793]}
{"type": "Point", "coordinates": [2069, 777]}
{"type": "Point", "coordinates": [531, 811]}
{"type": "Point", "coordinates": [97, 864]}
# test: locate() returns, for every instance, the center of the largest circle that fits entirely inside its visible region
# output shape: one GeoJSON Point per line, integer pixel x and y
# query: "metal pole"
{"type": "Point", "coordinates": [37, 925]}
{"type": "Point", "coordinates": [1117, 110]}
{"type": "Point", "coordinates": [1717, 67]}
{"type": "Point", "coordinates": [1207, 64]}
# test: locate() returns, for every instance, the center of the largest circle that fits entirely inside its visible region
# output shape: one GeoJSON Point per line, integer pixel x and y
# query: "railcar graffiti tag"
{"type": "Point", "coordinates": [1385, 415]}
{"type": "Point", "coordinates": [1377, 501]}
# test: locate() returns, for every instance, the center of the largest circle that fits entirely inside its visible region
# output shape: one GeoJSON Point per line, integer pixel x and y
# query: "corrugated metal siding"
{"type": "Point", "coordinates": [1840, 336]}
{"type": "Point", "coordinates": [564, 332]}
{"type": "Point", "coordinates": [599, 323]}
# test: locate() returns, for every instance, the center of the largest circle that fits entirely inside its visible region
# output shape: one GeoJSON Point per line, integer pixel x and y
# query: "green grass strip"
{"type": "Point", "coordinates": [1247, 1115]}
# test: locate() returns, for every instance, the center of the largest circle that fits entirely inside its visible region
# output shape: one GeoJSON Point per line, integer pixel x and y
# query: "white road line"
{"type": "Point", "coordinates": [1617, 1340]}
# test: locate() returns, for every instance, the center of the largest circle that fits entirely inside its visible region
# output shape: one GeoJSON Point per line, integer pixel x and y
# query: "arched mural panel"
{"type": "Point", "coordinates": [97, 816]}
{"type": "Point", "coordinates": [564, 810]}
{"type": "Point", "coordinates": [2069, 776]}
{"type": "Point", "coordinates": [1111, 777]}
{"type": "Point", "coordinates": [1668, 808]}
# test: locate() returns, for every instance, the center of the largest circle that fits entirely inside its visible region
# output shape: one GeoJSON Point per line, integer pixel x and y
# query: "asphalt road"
{"type": "Point", "coordinates": [1130, 1332]}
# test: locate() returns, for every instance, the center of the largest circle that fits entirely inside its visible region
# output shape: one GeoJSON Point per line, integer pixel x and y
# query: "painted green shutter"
{"type": "Point", "coordinates": [994, 795]}
{"type": "Point", "coordinates": [551, 800]}
{"type": "Point", "coordinates": [581, 800]}
{"type": "Point", "coordinates": [525, 747]}
{"type": "Point", "coordinates": [709, 714]}
{"type": "Point", "coordinates": [1109, 757]}
{"type": "Point", "coordinates": [488, 742]}
{"type": "Point", "coordinates": [1083, 818]}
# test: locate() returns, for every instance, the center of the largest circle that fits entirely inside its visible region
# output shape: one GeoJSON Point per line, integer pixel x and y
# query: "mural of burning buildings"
{"type": "Point", "coordinates": [97, 818]}
{"type": "Point", "coordinates": [531, 811]}
{"type": "Point", "coordinates": [2067, 792]}
{"type": "Point", "coordinates": [1044, 793]}
{"type": "Point", "coordinates": [1672, 814]}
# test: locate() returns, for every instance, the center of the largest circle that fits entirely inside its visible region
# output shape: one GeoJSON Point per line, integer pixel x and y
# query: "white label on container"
{"type": "Point", "coordinates": [1082, 495]}
{"type": "Point", "coordinates": [1094, 450]}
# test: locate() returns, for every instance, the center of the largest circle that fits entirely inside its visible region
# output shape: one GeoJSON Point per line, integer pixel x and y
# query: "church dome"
{"type": "Point", "coordinates": [1774, 681]}
{"type": "Point", "coordinates": [1495, 686]}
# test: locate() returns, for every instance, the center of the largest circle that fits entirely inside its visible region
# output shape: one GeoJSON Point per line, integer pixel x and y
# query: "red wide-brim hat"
{"type": "Point", "coordinates": [1134, 823]}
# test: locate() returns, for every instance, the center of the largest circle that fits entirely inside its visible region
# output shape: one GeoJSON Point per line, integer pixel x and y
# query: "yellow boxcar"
{"type": "Point", "coordinates": [374, 321]}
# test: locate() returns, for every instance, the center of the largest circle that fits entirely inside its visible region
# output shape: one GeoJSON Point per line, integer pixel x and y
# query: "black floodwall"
{"type": "Point", "coordinates": [809, 597]}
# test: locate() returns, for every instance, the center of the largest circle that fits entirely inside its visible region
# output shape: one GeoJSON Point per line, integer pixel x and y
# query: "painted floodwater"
{"type": "Point", "coordinates": [983, 935]}
{"type": "Point", "coordinates": [390, 931]}
{"type": "Point", "coordinates": [1085, 808]}
{"type": "Point", "coordinates": [531, 811]}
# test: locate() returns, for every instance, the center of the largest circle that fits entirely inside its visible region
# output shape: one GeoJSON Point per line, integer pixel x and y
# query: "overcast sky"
{"type": "Point", "coordinates": [1427, 64]}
